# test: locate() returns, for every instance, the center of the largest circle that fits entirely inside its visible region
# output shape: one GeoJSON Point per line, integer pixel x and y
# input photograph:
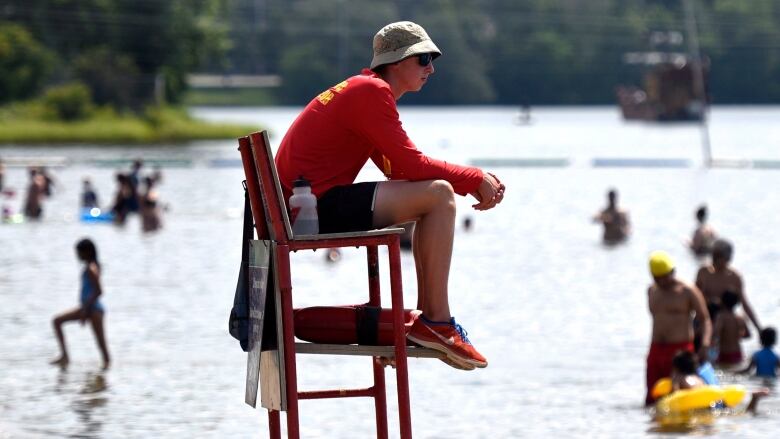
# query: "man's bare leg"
{"type": "Point", "coordinates": [57, 323]}
{"type": "Point", "coordinates": [432, 202]}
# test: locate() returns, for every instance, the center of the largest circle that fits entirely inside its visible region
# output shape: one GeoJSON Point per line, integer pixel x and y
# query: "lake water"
{"type": "Point", "coordinates": [562, 320]}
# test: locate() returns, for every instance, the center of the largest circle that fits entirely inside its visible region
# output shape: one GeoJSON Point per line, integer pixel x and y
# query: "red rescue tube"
{"type": "Point", "coordinates": [349, 324]}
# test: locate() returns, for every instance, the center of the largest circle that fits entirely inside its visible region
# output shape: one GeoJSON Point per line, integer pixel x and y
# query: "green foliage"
{"type": "Point", "coordinates": [131, 53]}
{"type": "Point", "coordinates": [746, 44]}
{"type": "Point", "coordinates": [68, 102]}
{"type": "Point", "coordinates": [111, 77]}
{"type": "Point", "coordinates": [20, 124]}
{"type": "Point", "coordinates": [461, 75]}
{"type": "Point", "coordinates": [24, 63]}
{"type": "Point", "coordinates": [305, 74]}
{"type": "Point", "coordinates": [230, 97]}
{"type": "Point", "coordinates": [141, 42]}
{"type": "Point", "coordinates": [168, 39]}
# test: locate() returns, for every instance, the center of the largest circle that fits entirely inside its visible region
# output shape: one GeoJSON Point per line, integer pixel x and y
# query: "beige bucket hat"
{"type": "Point", "coordinates": [400, 40]}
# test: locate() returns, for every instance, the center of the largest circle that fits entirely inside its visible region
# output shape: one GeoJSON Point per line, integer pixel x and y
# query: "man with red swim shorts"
{"type": "Point", "coordinates": [357, 120]}
{"type": "Point", "coordinates": [672, 306]}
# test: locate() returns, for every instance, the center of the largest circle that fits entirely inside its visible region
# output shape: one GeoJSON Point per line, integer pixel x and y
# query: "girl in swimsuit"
{"type": "Point", "coordinates": [90, 307]}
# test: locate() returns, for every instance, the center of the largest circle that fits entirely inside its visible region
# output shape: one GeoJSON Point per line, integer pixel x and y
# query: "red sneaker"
{"type": "Point", "coordinates": [457, 365]}
{"type": "Point", "coordinates": [449, 338]}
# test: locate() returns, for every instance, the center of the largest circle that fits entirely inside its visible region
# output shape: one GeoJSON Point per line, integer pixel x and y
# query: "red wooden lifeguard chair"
{"type": "Point", "coordinates": [272, 224]}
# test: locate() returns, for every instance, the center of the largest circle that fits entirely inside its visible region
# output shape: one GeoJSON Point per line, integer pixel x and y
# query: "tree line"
{"type": "Point", "coordinates": [510, 52]}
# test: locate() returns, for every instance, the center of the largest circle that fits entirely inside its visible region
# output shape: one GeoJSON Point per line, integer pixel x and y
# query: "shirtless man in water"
{"type": "Point", "coordinates": [672, 306]}
{"type": "Point", "coordinates": [614, 219]}
{"type": "Point", "coordinates": [715, 279]}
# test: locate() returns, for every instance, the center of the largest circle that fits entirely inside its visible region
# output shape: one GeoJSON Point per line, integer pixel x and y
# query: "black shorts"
{"type": "Point", "coordinates": [348, 208]}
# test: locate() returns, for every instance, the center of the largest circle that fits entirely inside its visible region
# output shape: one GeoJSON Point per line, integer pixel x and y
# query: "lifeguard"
{"type": "Point", "coordinates": [357, 120]}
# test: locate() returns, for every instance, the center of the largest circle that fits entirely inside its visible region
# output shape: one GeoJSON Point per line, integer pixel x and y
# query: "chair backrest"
{"type": "Point", "coordinates": [252, 183]}
{"type": "Point", "coordinates": [274, 206]}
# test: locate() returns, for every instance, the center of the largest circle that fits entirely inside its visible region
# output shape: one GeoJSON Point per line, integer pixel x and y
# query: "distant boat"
{"type": "Point", "coordinates": [669, 90]}
{"type": "Point", "coordinates": [666, 96]}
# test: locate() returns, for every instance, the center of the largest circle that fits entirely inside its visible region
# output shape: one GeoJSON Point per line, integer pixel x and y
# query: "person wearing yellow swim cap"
{"type": "Point", "coordinates": [672, 304]}
{"type": "Point", "coordinates": [661, 263]}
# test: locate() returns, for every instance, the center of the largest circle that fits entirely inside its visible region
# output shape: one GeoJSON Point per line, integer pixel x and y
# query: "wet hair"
{"type": "Point", "coordinates": [701, 213]}
{"type": "Point", "coordinates": [685, 362]}
{"type": "Point", "coordinates": [729, 300]}
{"type": "Point", "coordinates": [768, 337]}
{"type": "Point", "coordinates": [722, 249]}
{"type": "Point", "coordinates": [88, 247]}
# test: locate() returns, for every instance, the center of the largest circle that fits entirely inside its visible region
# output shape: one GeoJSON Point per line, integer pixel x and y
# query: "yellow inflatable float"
{"type": "Point", "coordinates": [693, 406]}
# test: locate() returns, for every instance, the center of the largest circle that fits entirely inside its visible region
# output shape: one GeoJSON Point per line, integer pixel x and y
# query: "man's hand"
{"type": "Point", "coordinates": [490, 192]}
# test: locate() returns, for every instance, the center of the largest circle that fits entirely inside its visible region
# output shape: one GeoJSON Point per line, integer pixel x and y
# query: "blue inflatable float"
{"type": "Point", "coordinates": [95, 215]}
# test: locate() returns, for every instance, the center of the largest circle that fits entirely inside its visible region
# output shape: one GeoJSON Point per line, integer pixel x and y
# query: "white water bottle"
{"type": "Point", "coordinates": [303, 209]}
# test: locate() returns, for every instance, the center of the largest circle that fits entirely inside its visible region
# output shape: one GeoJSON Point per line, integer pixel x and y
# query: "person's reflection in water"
{"type": "Point", "coordinates": [89, 397]}
{"type": "Point", "coordinates": [89, 403]}
{"type": "Point", "coordinates": [61, 386]}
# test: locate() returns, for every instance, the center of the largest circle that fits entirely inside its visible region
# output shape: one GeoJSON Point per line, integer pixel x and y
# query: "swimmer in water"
{"type": "Point", "coordinates": [615, 220]}
{"type": "Point", "coordinates": [704, 235]}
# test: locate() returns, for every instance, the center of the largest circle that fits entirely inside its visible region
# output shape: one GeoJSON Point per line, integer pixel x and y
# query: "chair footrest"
{"type": "Point", "coordinates": [371, 351]}
{"type": "Point", "coordinates": [339, 393]}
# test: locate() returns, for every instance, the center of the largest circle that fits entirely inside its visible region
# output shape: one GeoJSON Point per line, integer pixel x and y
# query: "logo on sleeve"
{"type": "Point", "coordinates": [326, 96]}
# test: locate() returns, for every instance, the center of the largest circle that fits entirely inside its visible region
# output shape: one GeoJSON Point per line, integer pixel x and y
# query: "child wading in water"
{"type": "Point", "coordinates": [685, 376]}
{"type": "Point", "coordinates": [765, 361]}
{"type": "Point", "coordinates": [729, 329]}
{"type": "Point", "coordinates": [91, 309]}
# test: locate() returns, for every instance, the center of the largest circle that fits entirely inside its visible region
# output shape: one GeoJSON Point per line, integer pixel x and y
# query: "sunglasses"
{"type": "Point", "coordinates": [424, 59]}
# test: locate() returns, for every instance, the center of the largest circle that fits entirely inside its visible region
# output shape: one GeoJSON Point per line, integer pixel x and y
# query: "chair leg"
{"type": "Point", "coordinates": [401, 371]}
{"type": "Point", "coordinates": [274, 427]}
{"type": "Point", "coordinates": [380, 399]}
{"type": "Point", "coordinates": [374, 298]}
{"type": "Point", "coordinates": [290, 372]}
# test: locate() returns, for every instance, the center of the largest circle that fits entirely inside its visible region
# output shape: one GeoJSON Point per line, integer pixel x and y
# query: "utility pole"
{"type": "Point", "coordinates": [697, 70]}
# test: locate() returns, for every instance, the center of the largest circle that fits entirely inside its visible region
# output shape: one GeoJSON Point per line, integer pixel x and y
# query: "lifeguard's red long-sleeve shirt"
{"type": "Point", "coordinates": [344, 126]}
